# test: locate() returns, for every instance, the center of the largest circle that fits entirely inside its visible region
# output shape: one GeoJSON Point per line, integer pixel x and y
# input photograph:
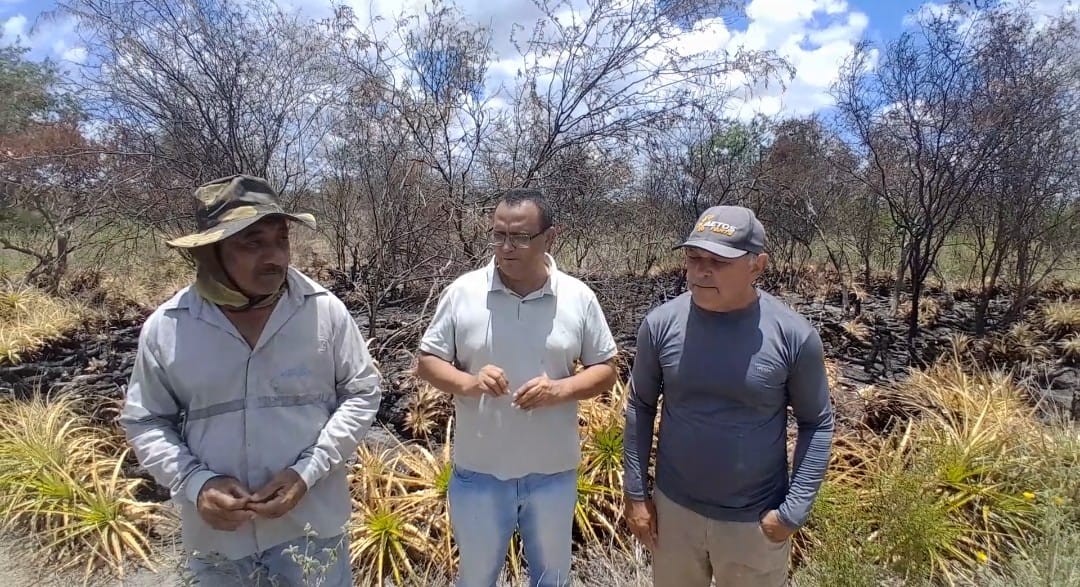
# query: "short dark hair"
{"type": "Point", "coordinates": [538, 197]}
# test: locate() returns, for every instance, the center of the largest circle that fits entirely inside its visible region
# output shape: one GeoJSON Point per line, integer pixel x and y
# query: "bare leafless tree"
{"type": "Point", "coordinates": [434, 66]}
{"type": "Point", "coordinates": [379, 210]}
{"type": "Point", "coordinates": [1031, 74]}
{"type": "Point", "coordinates": [927, 134]}
{"type": "Point", "coordinates": [204, 88]}
{"type": "Point", "coordinates": [611, 75]}
{"type": "Point", "coordinates": [811, 187]}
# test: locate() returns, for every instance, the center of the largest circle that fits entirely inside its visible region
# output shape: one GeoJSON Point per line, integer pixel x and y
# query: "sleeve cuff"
{"type": "Point", "coordinates": [308, 471]}
{"type": "Point", "coordinates": [440, 352]}
{"type": "Point", "coordinates": [601, 358]}
{"type": "Point", "coordinates": [787, 520]}
{"type": "Point", "coordinates": [195, 484]}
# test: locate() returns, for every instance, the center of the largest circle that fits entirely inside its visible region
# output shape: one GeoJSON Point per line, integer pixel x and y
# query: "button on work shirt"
{"type": "Point", "coordinates": [201, 402]}
{"type": "Point", "coordinates": [479, 321]}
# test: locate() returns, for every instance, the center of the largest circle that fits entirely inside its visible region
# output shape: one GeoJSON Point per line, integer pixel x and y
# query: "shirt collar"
{"type": "Point", "coordinates": [496, 284]}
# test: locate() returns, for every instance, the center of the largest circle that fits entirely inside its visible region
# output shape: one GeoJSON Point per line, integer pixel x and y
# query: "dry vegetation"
{"type": "Point", "coordinates": [957, 478]}
{"type": "Point", "coordinates": [30, 319]}
{"type": "Point", "coordinates": [951, 160]}
{"type": "Point", "coordinates": [61, 482]}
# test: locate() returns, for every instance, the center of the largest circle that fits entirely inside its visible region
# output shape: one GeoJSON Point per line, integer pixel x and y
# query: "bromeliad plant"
{"type": "Point", "coordinates": [60, 478]}
{"type": "Point", "coordinates": [951, 487]}
{"type": "Point", "coordinates": [400, 513]}
{"type": "Point", "coordinates": [1062, 318]}
{"type": "Point", "coordinates": [598, 513]}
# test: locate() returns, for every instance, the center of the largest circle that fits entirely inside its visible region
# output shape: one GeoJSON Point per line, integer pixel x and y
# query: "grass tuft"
{"type": "Point", "coordinates": [954, 485]}
{"type": "Point", "coordinates": [1062, 318]}
{"type": "Point", "coordinates": [1070, 349]}
{"type": "Point", "coordinates": [30, 319]}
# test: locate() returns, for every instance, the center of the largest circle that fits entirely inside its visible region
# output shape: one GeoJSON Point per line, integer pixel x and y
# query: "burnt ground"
{"type": "Point", "coordinates": [96, 361]}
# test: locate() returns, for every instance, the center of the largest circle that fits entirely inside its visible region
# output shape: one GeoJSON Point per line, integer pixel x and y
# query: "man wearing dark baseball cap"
{"type": "Point", "coordinates": [729, 359]}
{"type": "Point", "coordinates": [727, 231]}
{"type": "Point", "coordinates": [251, 388]}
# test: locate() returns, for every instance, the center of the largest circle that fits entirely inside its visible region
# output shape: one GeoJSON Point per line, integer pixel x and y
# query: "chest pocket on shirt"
{"type": "Point", "coordinates": [767, 380]}
{"type": "Point", "coordinates": [305, 375]}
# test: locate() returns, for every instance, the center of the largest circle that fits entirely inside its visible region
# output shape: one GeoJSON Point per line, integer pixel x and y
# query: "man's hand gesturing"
{"type": "Point", "coordinates": [491, 380]}
{"type": "Point", "coordinates": [222, 502]}
{"type": "Point", "coordinates": [539, 392]}
{"type": "Point", "coordinates": [279, 496]}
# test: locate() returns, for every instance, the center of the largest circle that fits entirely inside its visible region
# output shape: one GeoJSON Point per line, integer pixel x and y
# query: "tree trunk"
{"type": "Point", "coordinates": [898, 283]}
{"type": "Point", "coordinates": [54, 272]}
{"type": "Point", "coordinates": [916, 272]}
{"type": "Point", "coordinates": [372, 311]}
{"type": "Point", "coordinates": [987, 292]}
{"type": "Point", "coordinates": [1023, 282]}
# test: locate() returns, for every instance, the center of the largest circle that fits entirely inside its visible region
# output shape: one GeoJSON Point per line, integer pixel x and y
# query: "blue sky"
{"type": "Point", "coordinates": [814, 35]}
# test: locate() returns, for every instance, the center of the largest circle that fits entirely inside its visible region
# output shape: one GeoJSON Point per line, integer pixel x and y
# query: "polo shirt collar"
{"type": "Point", "coordinates": [495, 283]}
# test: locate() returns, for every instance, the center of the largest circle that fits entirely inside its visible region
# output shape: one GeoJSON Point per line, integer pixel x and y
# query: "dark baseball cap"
{"type": "Point", "coordinates": [728, 231]}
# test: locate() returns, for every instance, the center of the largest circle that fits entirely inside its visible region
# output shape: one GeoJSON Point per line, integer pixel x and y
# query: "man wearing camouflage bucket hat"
{"type": "Point", "coordinates": [728, 359]}
{"type": "Point", "coordinates": [251, 388]}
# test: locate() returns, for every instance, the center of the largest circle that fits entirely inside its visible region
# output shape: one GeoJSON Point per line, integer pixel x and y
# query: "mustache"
{"type": "Point", "coordinates": [275, 270]}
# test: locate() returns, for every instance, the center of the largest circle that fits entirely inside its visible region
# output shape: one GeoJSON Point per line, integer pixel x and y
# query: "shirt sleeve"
{"type": "Point", "coordinates": [150, 419]}
{"type": "Point", "coordinates": [645, 389]}
{"type": "Point", "coordinates": [808, 389]}
{"type": "Point", "coordinates": [439, 338]}
{"type": "Point", "coordinates": [598, 345]}
{"type": "Point", "coordinates": [358, 385]}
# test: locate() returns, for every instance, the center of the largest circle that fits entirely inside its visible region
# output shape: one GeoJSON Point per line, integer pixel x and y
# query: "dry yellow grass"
{"type": "Point", "coordinates": [858, 329]}
{"type": "Point", "coordinates": [929, 311]}
{"type": "Point", "coordinates": [135, 285]}
{"type": "Point", "coordinates": [427, 411]}
{"type": "Point", "coordinates": [30, 319]}
{"type": "Point", "coordinates": [1070, 348]}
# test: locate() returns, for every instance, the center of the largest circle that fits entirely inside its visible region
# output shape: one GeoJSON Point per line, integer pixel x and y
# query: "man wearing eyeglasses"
{"type": "Point", "coordinates": [504, 342]}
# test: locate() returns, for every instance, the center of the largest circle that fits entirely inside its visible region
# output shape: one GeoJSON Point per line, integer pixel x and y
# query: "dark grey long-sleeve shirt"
{"type": "Point", "coordinates": [727, 380]}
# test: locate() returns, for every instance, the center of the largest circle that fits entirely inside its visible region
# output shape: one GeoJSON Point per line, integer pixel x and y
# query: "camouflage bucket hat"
{"type": "Point", "coordinates": [225, 206]}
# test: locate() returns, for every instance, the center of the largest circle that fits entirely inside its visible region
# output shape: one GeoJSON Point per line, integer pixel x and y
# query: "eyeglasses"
{"type": "Point", "coordinates": [517, 240]}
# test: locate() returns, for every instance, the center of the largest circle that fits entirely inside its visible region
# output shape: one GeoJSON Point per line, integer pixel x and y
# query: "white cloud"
{"type": "Point", "coordinates": [74, 55]}
{"type": "Point", "coordinates": [47, 38]}
{"type": "Point", "coordinates": [14, 29]}
{"type": "Point", "coordinates": [815, 36]}
{"type": "Point", "coordinates": [791, 11]}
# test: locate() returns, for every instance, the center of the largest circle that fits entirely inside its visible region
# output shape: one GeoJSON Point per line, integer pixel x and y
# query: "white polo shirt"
{"type": "Point", "coordinates": [478, 321]}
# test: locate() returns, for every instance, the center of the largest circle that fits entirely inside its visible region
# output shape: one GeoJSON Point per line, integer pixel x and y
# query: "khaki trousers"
{"type": "Point", "coordinates": [693, 549]}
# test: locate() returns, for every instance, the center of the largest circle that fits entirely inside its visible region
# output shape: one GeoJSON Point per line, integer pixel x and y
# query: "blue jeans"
{"type": "Point", "coordinates": [298, 563]}
{"type": "Point", "coordinates": [485, 511]}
